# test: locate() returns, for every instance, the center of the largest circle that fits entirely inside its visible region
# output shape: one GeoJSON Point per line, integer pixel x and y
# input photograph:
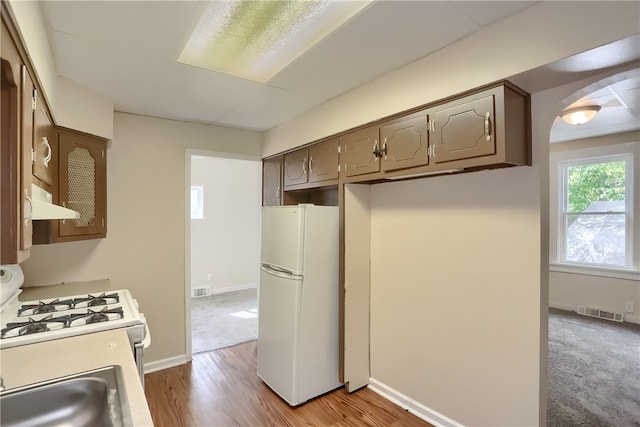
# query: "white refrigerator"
{"type": "Point", "coordinates": [298, 301]}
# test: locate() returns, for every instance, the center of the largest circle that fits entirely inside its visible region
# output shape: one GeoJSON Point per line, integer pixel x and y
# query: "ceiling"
{"type": "Point", "coordinates": [128, 50]}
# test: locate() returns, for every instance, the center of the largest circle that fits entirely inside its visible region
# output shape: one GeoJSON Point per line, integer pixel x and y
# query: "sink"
{"type": "Point", "coordinates": [92, 398]}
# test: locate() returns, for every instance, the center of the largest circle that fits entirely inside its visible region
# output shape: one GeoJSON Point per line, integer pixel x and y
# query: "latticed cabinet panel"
{"type": "Point", "coordinates": [82, 187]}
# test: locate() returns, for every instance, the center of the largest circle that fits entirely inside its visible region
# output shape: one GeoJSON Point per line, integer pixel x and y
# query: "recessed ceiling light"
{"type": "Point", "coordinates": [256, 39]}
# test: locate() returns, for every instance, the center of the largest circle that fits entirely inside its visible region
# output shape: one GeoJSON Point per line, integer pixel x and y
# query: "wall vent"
{"type": "Point", "coordinates": [204, 291]}
{"type": "Point", "coordinates": [601, 314]}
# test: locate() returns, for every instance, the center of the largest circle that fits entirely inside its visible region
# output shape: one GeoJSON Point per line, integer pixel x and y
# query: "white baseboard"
{"type": "Point", "coordinates": [159, 365]}
{"type": "Point", "coordinates": [233, 288]}
{"type": "Point", "coordinates": [414, 407]}
{"type": "Point", "coordinates": [631, 318]}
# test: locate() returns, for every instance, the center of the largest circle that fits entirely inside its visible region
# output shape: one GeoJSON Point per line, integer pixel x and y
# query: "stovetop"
{"type": "Point", "coordinates": [26, 322]}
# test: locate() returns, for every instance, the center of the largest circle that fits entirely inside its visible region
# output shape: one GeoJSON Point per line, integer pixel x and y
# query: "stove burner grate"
{"type": "Point", "coordinates": [96, 300]}
{"type": "Point", "coordinates": [34, 326]}
{"type": "Point", "coordinates": [91, 316]}
{"type": "Point", "coordinates": [45, 307]}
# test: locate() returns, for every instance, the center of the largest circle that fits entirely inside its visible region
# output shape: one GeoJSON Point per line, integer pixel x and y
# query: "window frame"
{"type": "Point", "coordinates": [199, 190]}
{"type": "Point", "coordinates": [560, 161]}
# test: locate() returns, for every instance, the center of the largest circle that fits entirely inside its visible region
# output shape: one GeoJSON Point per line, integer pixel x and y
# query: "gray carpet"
{"type": "Point", "coordinates": [223, 320]}
{"type": "Point", "coordinates": [594, 371]}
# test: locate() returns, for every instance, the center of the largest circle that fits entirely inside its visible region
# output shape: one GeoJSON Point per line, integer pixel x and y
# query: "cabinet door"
{"type": "Point", "coordinates": [295, 167]}
{"type": "Point", "coordinates": [43, 164]}
{"type": "Point", "coordinates": [272, 181]}
{"type": "Point", "coordinates": [464, 130]}
{"type": "Point", "coordinates": [405, 143]}
{"type": "Point", "coordinates": [15, 152]}
{"type": "Point", "coordinates": [83, 186]}
{"type": "Point", "coordinates": [360, 151]}
{"type": "Point", "coordinates": [323, 161]}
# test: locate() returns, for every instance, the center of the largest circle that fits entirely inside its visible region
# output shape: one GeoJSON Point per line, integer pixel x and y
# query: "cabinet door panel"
{"type": "Point", "coordinates": [405, 143]}
{"type": "Point", "coordinates": [295, 167]}
{"type": "Point", "coordinates": [83, 184]}
{"type": "Point", "coordinates": [272, 182]}
{"type": "Point", "coordinates": [465, 131]}
{"type": "Point", "coordinates": [26, 225]}
{"type": "Point", "coordinates": [359, 152]}
{"type": "Point", "coordinates": [43, 165]}
{"type": "Point", "coordinates": [323, 161]}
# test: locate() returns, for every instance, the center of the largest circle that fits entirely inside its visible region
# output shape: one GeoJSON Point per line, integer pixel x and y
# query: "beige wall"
{"type": "Point", "coordinates": [455, 294]}
{"type": "Point", "coordinates": [145, 246]}
{"type": "Point", "coordinates": [226, 242]}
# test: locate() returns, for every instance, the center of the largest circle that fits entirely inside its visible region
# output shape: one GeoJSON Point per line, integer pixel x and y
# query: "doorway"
{"type": "Point", "coordinates": [224, 248]}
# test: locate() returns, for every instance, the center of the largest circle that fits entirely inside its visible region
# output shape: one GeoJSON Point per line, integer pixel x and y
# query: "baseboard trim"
{"type": "Point", "coordinates": [226, 289]}
{"type": "Point", "coordinates": [414, 407]}
{"type": "Point", "coordinates": [159, 365]}
{"type": "Point", "coordinates": [560, 306]}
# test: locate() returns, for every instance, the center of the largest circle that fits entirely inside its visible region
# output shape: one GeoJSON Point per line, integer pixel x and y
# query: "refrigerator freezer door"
{"type": "Point", "coordinates": [279, 314]}
{"type": "Point", "coordinates": [283, 236]}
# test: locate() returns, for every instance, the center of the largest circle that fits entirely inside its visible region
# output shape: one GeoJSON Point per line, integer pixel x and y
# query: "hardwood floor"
{"type": "Point", "coordinates": [221, 389]}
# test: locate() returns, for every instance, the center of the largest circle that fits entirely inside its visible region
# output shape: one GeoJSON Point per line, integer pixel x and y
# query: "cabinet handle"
{"type": "Point", "coordinates": [28, 208]}
{"type": "Point", "coordinates": [47, 158]}
{"type": "Point", "coordinates": [376, 152]}
{"type": "Point", "coordinates": [310, 165]}
{"type": "Point", "coordinates": [487, 125]}
{"type": "Point", "coordinates": [304, 166]}
{"type": "Point", "coordinates": [384, 148]}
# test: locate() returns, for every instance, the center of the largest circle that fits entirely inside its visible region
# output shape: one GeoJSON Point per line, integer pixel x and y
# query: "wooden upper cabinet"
{"type": "Point", "coordinates": [465, 130]}
{"type": "Point", "coordinates": [43, 152]}
{"type": "Point", "coordinates": [323, 161]}
{"type": "Point", "coordinates": [272, 181]}
{"type": "Point", "coordinates": [405, 142]}
{"type": "Point", "coordinates": [83, 185]}
{"type": "Point", "coordinates": [295, 167]}
{"type": "Point", "coordinates": [490, 127]}
{"type": "Point", "coordinates": [15, 153]}
{"type": "Point", "coordinates": [361, 151]}
{"type": "Point", "coordinates": [311, 167]}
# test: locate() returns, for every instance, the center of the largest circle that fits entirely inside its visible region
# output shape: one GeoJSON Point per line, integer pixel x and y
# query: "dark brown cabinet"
{"type": "Point", "coordinates": [16, 127]}
{"type": "Point", "coordinates": [272, 181]}
{"type": "Point", "coordinates": [311, 167]}
{"type": "Point", "coordinates": [43, 152]}
{"type": "Point", "coordinates": [81, 186]}
{"type": "Point", "coordinates": [482, 129]}
{"type": "Point", "coordinates": [397, 144]}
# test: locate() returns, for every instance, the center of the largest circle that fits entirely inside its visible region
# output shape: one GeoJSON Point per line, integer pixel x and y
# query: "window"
{"type": "Point", "coordinates": [197, 202]}
{"type": "Point", "coordinates": [595, 208]}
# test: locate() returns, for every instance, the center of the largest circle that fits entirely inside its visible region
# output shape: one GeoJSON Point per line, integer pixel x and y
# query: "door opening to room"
{"type": "Point", "coordinates": [225, 199]}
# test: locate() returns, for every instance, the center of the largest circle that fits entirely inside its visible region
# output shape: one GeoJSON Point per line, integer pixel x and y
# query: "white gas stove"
{"type": "Point", "coordinates": [28, 322]}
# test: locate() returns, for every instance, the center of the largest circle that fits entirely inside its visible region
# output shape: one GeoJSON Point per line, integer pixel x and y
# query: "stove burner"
{"type": "Point", "coordinates": [33, 326]}
{"type": "Point", "coordinates": [45, 307]}
{"type": "Point", "coordinates": [92, 300]}
{"type": "Point", "coordinates": [104, 315]}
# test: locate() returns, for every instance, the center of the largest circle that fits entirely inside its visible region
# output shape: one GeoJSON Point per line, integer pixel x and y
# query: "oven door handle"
{"type": "Point", "coordinates": [146, 342]}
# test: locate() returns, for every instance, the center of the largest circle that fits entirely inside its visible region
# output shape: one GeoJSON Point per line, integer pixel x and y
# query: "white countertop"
{"type": "Point", "coordinates": [38, 362]}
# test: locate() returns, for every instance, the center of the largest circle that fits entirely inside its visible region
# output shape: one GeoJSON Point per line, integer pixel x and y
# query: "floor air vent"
{"type": "Point", "coordinates": [201, 292]}
{"type": "Point", "coordinates": [602, 314]}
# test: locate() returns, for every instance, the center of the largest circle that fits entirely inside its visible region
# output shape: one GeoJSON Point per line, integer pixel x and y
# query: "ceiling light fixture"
{"type": "Point", "coordinates": [255, 40]}
{"type": "Point", "coordinates": [580, 115]}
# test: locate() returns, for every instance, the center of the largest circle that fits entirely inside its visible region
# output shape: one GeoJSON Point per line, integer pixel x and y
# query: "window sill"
{"type": "Point", "coordinates": [596, 271]}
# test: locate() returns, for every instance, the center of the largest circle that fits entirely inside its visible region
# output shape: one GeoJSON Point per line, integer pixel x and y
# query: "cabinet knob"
{"type": "Point", "coordinates": [487, 125]}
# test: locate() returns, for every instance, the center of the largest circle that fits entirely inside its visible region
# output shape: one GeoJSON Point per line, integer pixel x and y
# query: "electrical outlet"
{"type": "Point", "coordinates": [209, 277]}
{"type": "Point", "coordinates": [628, 306]}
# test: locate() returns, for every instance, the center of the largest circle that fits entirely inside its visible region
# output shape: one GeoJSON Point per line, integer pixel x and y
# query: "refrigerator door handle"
{"type": "Point", "coordinates": [278, 271]}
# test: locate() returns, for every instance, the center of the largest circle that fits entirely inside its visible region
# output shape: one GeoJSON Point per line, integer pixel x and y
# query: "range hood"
{"type": "Point", "coordinates": [43, 208]}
